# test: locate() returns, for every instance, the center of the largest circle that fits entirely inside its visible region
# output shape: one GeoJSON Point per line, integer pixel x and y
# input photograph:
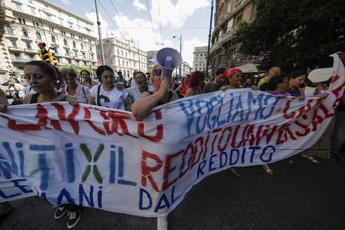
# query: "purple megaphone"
{"type": "Point", "coordinates": [168, 59]}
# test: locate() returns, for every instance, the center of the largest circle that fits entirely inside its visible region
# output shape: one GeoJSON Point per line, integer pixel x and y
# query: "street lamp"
{"type": "Point", "coordinates": [180, 37]}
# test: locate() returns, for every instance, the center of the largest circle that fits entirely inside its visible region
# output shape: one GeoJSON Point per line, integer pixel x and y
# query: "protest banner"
{"type": "Point", "coordinates": [103, 158]}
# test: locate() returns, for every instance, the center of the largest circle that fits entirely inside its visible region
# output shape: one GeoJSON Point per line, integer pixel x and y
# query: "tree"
{"type": "Point", "coordinates": [294, 33]}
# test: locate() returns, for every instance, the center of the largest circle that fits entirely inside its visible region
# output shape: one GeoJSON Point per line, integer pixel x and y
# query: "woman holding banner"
{"type": "Point", "coordinates": [42, 77]}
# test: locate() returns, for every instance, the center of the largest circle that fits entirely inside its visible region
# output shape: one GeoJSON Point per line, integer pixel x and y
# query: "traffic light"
{"type": "Point", "coordinates": [46, 55]}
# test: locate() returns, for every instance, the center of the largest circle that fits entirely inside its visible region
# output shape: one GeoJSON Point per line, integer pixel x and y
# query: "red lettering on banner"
{"type": "Point", "coordinates": [233, 142]}
{"type": "Point", "coordinates": [302, 110]}
{"type": "Point", "coordinates": [284, 134]}
{"type": "Point", "coordinates": [113, 120]}
{"type": "Point", "coordinates": [87, 117]}
{"type": "Point", "coordinates": [146, 169]}
{"type": "Point", "coordinates": [168, 170]}
{"type": "Point", "coordinates": [221, 149]}
{"type": "Point", "coordinates": [159, 129]}
{"type": "Point", "coordinates": [265, 133]}
{"type": "Point", "coordinates": [205, 145]}
{"type": "Point", "coordinates": [285, 110]}
{"type": "Point", "coordinates": [337, 90]}
{"type": "Point", "coordinates": [305, 128]}
{"type": "Point", "coordinates": [194, 160]}
{"type": "Point", "coordinates": [214, 139]}
{"type": "Point", "coordinates": [185, 164]}
{"type": "Point", "coordinates": [41, 114]}
{"type": "Point", "coordinates": [70, 118]}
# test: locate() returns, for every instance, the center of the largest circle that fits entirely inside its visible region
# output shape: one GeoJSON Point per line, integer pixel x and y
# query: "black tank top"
{"type": "Point", "coordinates": [59, 97]}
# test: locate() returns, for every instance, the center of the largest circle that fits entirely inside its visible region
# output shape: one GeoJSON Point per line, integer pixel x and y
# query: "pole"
{"type": "Point", "coordinates": [99, 33]}
{"type": "Point", "coordinates": [180, 72]}
{"type": "Point", "coordinates": [209, 40]}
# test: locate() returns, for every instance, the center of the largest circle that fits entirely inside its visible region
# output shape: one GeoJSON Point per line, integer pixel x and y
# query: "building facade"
{"type": "Point", "coordinates": [28, 22]}
{"type": "Point", "coordinates": [229, 14]}
{"type": "Point", "coordinates": [199, 58]}
{"type": "Point", "coordinates": [123, 55]}
{"type": "Point", "coordinates": [151, 59]}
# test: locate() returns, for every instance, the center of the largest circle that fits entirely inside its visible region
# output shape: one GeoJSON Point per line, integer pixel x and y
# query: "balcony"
{"type": "Point", "coordinates": [30, 51]}
{"type": "Point", "coordinates": [26, 38]}
{"type": "Point", "coordinates": [7, 35]}
{"type": "Point", "coordinates": [15, 49]}
{"type": "Point", "coordinates": [20, 61]}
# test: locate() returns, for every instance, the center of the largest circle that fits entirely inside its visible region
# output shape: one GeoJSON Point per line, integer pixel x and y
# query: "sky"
{"type": "Point", "coordinates": [151, 23]}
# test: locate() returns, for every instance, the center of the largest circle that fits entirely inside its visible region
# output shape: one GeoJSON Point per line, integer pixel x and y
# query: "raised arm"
{"type": "Point", "coordinates": [143, 106]}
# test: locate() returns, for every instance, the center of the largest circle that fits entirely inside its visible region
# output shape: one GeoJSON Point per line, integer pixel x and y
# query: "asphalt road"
{"type": "Point", "coordinates": [299, 196]}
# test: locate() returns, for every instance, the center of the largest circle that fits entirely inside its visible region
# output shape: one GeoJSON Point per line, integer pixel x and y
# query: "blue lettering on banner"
{"type": "Point", "coordinates": [43, 166]}
{"type": "Point", "coordinates": [239, 108]}
{"type": "Point", "coordinates": [5, 169]}
{"type": "Point", "coordinates": [21, 158]}
{"type": "Point", "coordinates": [17, 189]}
{"type": "Point", "coordinates": [9, 151]}
{"type": "Point", "coordinates": [235, 157]}
{"type": "Point", "coordinates": [85, 193]}
{"type": "Point", "coordinates": [69, 154]}
{"type": "Point", "coordinates": [165, 201]}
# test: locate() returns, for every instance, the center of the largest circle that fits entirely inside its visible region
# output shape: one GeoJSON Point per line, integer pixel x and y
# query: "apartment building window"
{"type": "Point", "coordinates": [28, 45]}
{"type": "Point", "coordinates": [51, 29]}
{"type": "Point", "coordinates": [123, 62]}
{"type": "Point", "coordinates": [18, 6]}
{"type": "Point", "coordinates": [53, 39]}
{"type": "Point", "coordinates": [119, 62]}
{"type": "Point", "coordinates": [63, 32]}
{"type": "Point", "coordinates": [74, 45]}
{"type": "Point", "coordinates": [16, 56]}
{"type": "Point", "coordinates": [122, 53]}
{"type": "Point", "coordinates": [9, 30]}
{"type": "Point", "coordinates": [75, 53]}
{"type": "Point", "coordinates": [14, 43]}
{"type": "Point", "coordinates": [33, 11]}
{"type": "Point", "coordinates": [66, 51]}
{"type": "Point", "coordinates": [72, 35]}
{"type": "Point", "coordinates": [82, 46]}
{"type": "Point", "coordinates": [25, 33]}
{"type": "Point", "coordinates": [22, 21]}
{"type": "Point", "coordinates": [65, 42]}
{"type": "Point", "coordinates": [127, 63]}
{"type": "Point", "coordinates": [38, 36]}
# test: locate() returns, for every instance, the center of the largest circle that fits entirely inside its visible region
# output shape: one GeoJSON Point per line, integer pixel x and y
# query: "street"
{"type": "Point", "coordinates": [298, 196]}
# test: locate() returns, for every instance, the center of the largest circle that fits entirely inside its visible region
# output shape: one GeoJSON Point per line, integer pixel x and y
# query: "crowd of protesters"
{"type": "Point", "coordinates": [144, 91]}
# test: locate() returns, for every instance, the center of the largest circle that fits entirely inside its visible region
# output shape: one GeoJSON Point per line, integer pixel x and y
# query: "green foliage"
{"type": "Point", "coordinates": [76, 68]}
{"type": "Point", "coordinates": [300, 33]}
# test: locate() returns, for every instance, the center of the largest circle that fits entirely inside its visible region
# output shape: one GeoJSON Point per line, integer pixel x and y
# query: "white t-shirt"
{"type": "Point", "coordinates": [81, 93]}
{"type": "Point", "coordinates": [29, 90]}
{"type": "Point", "coordinates": [110, 99]}
{"type": "Point", "coordinates": [134, 92]}
{"type": "Point", "coordinates": [14, 93]}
